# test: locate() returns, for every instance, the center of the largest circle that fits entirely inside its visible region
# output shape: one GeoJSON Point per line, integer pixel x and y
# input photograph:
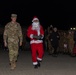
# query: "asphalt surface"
{"type": "Point", "coordinates": [61, 65]}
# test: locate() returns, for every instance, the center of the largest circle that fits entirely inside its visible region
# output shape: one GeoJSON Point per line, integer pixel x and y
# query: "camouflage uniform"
{"type": "Point", "coordinates": [70, 42]}
{"type": "Point", "coordinates": [61, 42]}
{"type": "Point", "coordinates": [13, 35]}
{"type": "Point", "coordinates": [65, 43]}
{"type": "Point", "coordinates": [50, 48]}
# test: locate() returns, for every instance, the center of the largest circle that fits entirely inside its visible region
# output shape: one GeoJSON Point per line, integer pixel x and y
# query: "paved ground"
{"type": "Point", "coordinates": [61, 65]}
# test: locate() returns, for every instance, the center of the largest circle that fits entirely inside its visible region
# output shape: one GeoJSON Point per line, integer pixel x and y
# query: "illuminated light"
{"type": "Point", "coordinates": [73, 28]}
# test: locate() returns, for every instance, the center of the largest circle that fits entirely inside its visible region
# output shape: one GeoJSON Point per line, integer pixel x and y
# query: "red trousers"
{"type": "Point", "coordinates": [37, 52]}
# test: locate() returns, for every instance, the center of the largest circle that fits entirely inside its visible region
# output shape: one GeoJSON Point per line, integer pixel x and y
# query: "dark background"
{"type": "Point", "coordinates": [59, 13]}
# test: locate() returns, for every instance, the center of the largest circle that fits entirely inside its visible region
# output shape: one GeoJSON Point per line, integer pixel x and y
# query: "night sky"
{"type": "Point", "coordinates": [61, 14]}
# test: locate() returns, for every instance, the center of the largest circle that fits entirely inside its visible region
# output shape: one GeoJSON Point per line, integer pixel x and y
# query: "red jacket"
{"type": "Point", "coordinates": [31, 32]}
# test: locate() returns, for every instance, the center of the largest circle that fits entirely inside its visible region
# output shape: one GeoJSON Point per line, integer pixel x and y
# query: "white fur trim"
{"type": "Point", "coordinates": [35, 19]}
{"type": "Point", "coordinates": [38, 31]}
{"type": "Point", "coordinates": [36, 41]}
{"type": "Point", "coordinates": [35, 63]}
{"type": "Point", "coordinates": [31, 36]}
{"type": "Point", "coordinates": [39, 59]}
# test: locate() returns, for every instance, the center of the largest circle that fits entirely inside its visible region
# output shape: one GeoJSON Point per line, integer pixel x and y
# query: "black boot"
{"type": "Point", "coordinates": [35, 66]}
{"type": "Point", "coordinates": [38, 63]}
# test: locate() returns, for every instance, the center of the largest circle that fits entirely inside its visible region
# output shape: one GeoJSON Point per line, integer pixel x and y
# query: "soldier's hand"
{"type": "Point", "coordinates": [5, 44]}
{"type": "Point", "coordinates": [20, 43]}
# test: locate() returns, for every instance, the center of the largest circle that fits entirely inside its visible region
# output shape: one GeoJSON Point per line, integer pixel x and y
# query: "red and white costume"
{"type": "Point", "coordinates": [36, 45]}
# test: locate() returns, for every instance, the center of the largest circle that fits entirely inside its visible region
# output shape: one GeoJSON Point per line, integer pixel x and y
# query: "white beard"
{"type": "Point", "coordinates": [36, 26]}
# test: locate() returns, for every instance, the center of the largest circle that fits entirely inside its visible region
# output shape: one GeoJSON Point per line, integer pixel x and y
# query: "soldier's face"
{"type": "Point", "coordinates": [14, 19]}
{"type": "Point", "coordinates": [55, 29]}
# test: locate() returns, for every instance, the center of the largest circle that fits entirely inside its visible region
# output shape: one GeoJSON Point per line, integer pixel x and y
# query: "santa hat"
{"type": "Point", "coordinates": [35, 18]}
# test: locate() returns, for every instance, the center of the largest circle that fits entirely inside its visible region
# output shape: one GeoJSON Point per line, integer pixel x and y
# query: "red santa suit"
{"type": "Point", "coordinates": [36, 44]}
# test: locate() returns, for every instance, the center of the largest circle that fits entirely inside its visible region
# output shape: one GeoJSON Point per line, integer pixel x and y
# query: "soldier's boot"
{"type": "Point", "coordinates": [12, 65]}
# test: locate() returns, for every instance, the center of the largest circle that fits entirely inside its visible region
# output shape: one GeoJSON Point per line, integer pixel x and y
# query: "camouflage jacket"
{"type": "Point", "coordinates": [12, 32]}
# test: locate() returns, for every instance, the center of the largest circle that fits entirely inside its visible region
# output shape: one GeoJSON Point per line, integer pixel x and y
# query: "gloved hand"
{"type": "Point", "coordinates": [40, 37]}
{"type": "Point", "coordinates": [37, 37]}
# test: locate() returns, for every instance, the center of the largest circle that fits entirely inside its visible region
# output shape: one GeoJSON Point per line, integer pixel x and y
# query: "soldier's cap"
{"type": "Point", "coordinates": [13, 15]}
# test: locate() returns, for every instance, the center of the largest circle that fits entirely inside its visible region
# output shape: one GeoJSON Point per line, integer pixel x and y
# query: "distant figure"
{"type": "Point", "coordinates": [74, 49]}
{"type": "Point", "coordinates": [13, 39]}
{"type": "Point", "coordinates": [70, 42]}
{"type": "Point", "coordinates": [55, 40]}
{"type": "Point", "coordinates": [36, 33]}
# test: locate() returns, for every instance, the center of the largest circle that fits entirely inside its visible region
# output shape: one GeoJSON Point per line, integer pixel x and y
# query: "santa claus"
{"type": "Point", "coordinates": [36, 33]}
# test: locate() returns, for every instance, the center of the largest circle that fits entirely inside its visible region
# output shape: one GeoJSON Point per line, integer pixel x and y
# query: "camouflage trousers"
{"type": "Point", "coordinates": [71, 48]}
{"type": "Point", "coordinates": [50, 48]}
{"type": "Point", "coordinates": [13, 51]}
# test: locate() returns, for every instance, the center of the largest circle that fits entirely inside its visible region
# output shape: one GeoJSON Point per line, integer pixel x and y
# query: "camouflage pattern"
{"type": "Point", "coordinates": [61, 41]}
{"type": "Point", "coordinates": [13, 51]}
{"type": "Point", "coordinates": [70, 42]}
{"type": "Point", "coordinates": [13, 15]}
{"type": "Point", "coordinates": [65, 43]}
{"type": "Point", "coordinates": [13, 35]}
{"type": "Point", "coordinates": [50, 48]}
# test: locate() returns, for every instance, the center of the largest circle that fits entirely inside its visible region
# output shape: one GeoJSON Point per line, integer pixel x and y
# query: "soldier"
{"type": "Point", "coordinates": [50, 48]}
{"type": "Point", "coordinates": [61, 41]}
{"type": "Point", "coordinates": [71, 42]}
{"type": "Point", "coordinates": [65, 43]}
{"type": "Point", "coordinates": [12, 39]}
{"type": "Point", "coordinates": [55, 41]}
